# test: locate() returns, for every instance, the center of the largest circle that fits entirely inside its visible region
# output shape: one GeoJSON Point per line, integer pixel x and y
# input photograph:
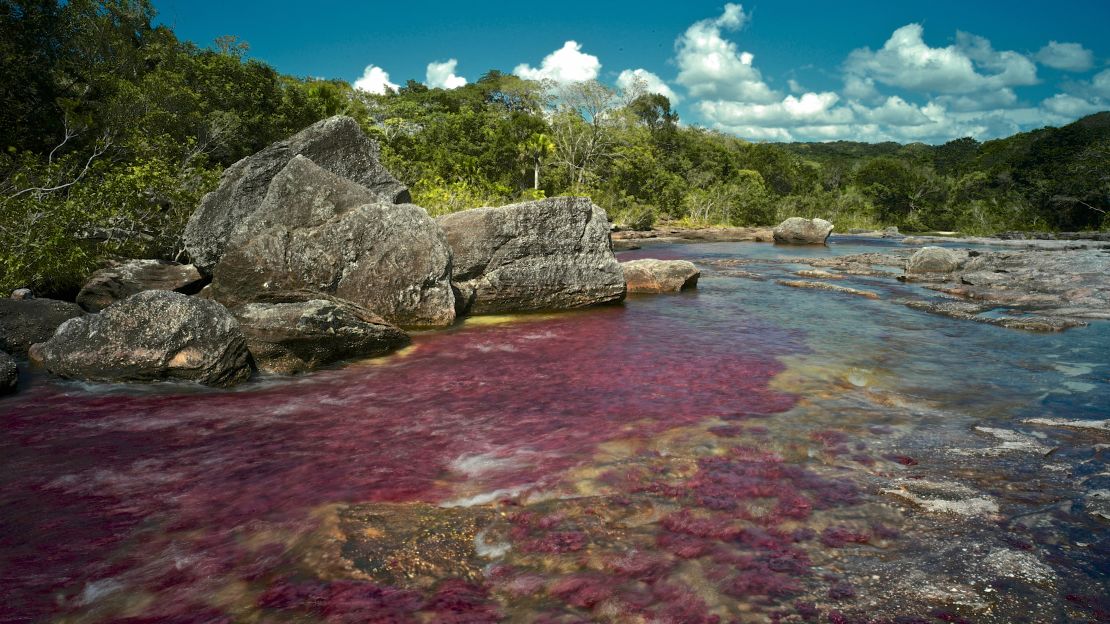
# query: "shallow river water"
{"type": "Point", "coordinates": [744, 452]}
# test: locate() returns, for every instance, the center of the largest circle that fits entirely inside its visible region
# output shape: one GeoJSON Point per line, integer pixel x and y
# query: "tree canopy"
{"type": "Point", "coordinates": [111, 129]}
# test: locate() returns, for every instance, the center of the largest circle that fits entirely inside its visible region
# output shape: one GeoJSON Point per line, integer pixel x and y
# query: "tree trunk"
{"type": "Point", "coordinates": [536, 176]}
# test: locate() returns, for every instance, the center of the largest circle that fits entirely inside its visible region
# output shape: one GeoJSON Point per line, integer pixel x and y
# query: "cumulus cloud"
{"type": "Point", "coordinates": [374, 80]}
{"type": "Point", "coordinates": [632, 79]}
{"type": "Point", "coordinates": [1070, 105]}
{"type": "Point", "coordinates": [442, 75]}
{"type": "Point", "coordinates": [971, 65]}
{"type": "Point", "coordinates": [567, 64]}
{"type": "Point", "coordinates": [711, 66]}
{"type": "Point", "coordinates": [1066, 56]}
{"type": "Point", "coordinates": [967, 88]}
{"type": "Point", "coordinates": [1101, 83]}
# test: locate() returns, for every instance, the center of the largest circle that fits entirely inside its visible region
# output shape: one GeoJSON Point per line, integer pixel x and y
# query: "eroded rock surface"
{"type": "Point", "coordinates": [316, 232]}
{"type": "Point", "coordinates": [112, 284]}
{"type": "Point", "coordinates": [9, 374]}
{"type": "Point", "coordinates": [800, 231]}
{"type": "Point", "coordinates": [336, 144]}
{"type": "Point", "coordinates": [154, 335]}
{"type": "Point", "coordinates": [543, 255]}
{"type": "Point", "coordinates": [659, 276]}
{"type": "Point", "coordinates": [301, 336]}
{"type": "Point", "coordinates": [24, 322]}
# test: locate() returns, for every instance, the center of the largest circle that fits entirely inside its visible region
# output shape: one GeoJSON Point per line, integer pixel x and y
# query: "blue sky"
{"type": "Point", "coordinates": [769, 70]}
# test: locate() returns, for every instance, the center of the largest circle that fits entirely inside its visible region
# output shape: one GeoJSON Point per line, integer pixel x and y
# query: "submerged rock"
{"type": "Point", "coordinates": [9, 374]}
{"type": "Point", "coordinates": [658, 276]}
{"type": "Point", "coordinates": [27, 321]}
{"type": "Point", "coordinates": [799, 231]}
{"type": "Point", "coordinates": [933, 260]}
{"type": "Point", "coordinates": [154, 335]}
{"type": "Point", "coordinates": [112, 284]}
{"type": "Point", "coordinates": [549, 254]}
{"type": "Point", "coordinates": [296, 337]}
{"type": "Point", "coordinates": [829, 287]}
{"type": "Point", "coordinates": [336, 144]}
{"type": "Point", "coordinates": [316, 232]}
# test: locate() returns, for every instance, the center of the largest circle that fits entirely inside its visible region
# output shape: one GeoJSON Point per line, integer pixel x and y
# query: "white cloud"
{"type": "Point", "coordinates": [1066, 56]}
{"type": "Point", "coordinates": [1070, 105]}
{"type": "Point", "coordinates": [807, 110]}
{"type": "Point", "coordinates": [630, 79]}
{"type": "Point", "coordinates": [442, 75]}
{"type": "Point", "coordinates": [1101, 83]}
{"type": "Point", "coordinates": [710, 66]}
{"type": "Point", "coordinates": [567, 64]}
{"type": "Point", "coordinates": [969, 66]}
{"type": "Point", "coordinates": [374, 80]}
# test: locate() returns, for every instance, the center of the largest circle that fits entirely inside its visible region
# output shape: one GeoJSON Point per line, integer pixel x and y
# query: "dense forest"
{"type": "Point", "coordinates": [112, 129]}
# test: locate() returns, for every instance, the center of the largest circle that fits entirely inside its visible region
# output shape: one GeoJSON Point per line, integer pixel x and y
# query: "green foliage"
{"type": "Point", "coordinates": [112, 130]}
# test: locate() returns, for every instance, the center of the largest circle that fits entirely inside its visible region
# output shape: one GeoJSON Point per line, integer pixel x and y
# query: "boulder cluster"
{"type": "Point", "coordinates": [309, 253]}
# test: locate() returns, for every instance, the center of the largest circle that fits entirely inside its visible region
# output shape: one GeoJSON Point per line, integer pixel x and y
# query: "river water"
{"type": "Point", "coordinates": [744, 452]}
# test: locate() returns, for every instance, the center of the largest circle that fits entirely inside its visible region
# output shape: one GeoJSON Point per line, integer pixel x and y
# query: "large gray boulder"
{"type": "Point", "coordinates": [336, 144]}
{"type": "Point", "coordinates": [296, 337]}
{"type": "Point", "coordinates": [9, 374]}
{"type": "Point", "coordinates": [799, 231]}
{"type": "Point", "coordinates": [659, 276]}
{"type": "Point", "coordinates": [321, 234]}
{"type": "Point", "coordinates": [933, 260]}
{"type": "Point", "coordinates": [543, 255]}
{"type": "Point", "coordinates": [23, 322]}
{"type": "Point", "coordinates": [154, 335]}
{"type": "Point", "coordinates": [114, 283]}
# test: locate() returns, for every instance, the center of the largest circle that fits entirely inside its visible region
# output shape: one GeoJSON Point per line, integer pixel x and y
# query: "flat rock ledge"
{"type": "Point", "coordinates": [829, 287]}
{"type": "Point", "coordinates": [627, 238]}
{"type": "Point", "coordinates": [659, 276]}
{"type": "Point", "coordinates": [115, 283]}
{"type": "Point", "coordinates": [155, 335]}
{"type": "Point", "coordinates": [288, 338]}
{"type": "Point", "coordinates": [1043, 289]}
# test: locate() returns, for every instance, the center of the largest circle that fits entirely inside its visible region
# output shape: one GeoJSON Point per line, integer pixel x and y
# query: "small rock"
{"type": "Point", "coordinates": [20, 294]}
{"type": "Point", "coordinates": [658, 276]}
{"type": "Point", "coordinates": [9, 374]}
{"type": "Point", "coordinates": [933, 260]}
{"type": "Point", "coordinates": [112, 284]}
{"type": "Point", "coordinates": [27, 321]}
{"type": "Point", "coordinates": [295, 337]}
{"type": "Point", "coordinates": [154, 335]}
{"type": "Point", "coordinates": [799, 231]}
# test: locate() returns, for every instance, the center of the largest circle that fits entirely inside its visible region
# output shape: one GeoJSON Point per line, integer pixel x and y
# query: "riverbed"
{"type": "Point", "coordinates": [745, 451]}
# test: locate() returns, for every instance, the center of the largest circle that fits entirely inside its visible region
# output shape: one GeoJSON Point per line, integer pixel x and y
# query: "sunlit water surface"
{"type": "Point", "coordinates": [733, 453]}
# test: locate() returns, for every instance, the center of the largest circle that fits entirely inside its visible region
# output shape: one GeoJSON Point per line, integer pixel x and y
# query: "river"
{"type": "Point", "coordinates": [741, 452]}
